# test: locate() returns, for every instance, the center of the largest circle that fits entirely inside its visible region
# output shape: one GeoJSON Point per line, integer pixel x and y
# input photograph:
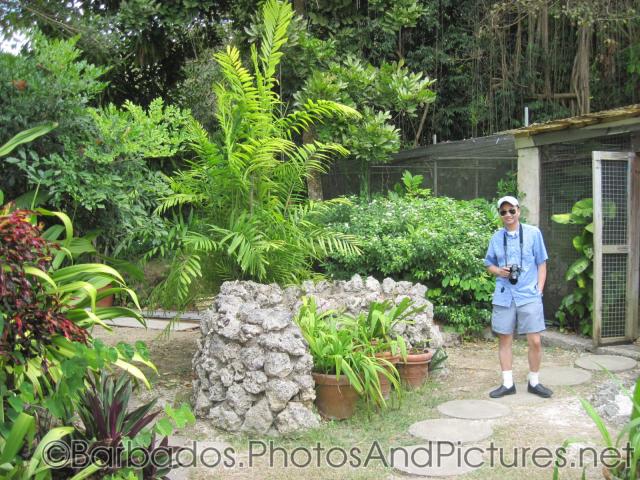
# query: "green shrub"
{"type": "Point", "coordinates": [438, 241]}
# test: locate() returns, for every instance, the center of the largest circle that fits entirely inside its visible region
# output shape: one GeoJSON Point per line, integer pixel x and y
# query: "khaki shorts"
{"type": "Point", "coordinates": [529, 318]}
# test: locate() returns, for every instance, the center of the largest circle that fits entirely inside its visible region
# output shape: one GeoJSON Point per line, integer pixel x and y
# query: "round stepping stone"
{"type": "Point", "coordinates": [613, 363]}
{"type": "Point", "coordinates": [452, 430]}
{"type": "Point", "coordinates": [558, 376]}
{"type": "Point", "coordinates": [436, 459]}
{"type": "Point", "coordinates": [522, 397]}
{"type": "Point", "coordinates": [473, 409]}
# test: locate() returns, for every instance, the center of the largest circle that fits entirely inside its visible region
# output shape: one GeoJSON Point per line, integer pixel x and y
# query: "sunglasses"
{"type": "Point", "coordinates": [512, 211]}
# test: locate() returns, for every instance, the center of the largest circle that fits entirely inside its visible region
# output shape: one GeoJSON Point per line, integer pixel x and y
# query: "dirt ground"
{"type": "Point", "coordinates": [471, 371]}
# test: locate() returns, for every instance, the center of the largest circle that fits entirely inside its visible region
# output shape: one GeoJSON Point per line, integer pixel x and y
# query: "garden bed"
{"type": "Point", "coordinates": [472, 370]}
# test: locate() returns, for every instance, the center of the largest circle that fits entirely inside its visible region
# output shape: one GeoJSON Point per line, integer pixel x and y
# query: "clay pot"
{"type": "Point", "coordinates": [335, 399]}
{"type": "Point", "coordinates": [106, 301]}
{"type": "Point", "coordinates": [415, 370]}
{"type": "Point", "coordinates": [606, 473]}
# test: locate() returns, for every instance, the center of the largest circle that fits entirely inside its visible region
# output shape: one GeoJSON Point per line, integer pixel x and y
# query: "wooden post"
{"type": "Point", "coordinates": [633, 287]}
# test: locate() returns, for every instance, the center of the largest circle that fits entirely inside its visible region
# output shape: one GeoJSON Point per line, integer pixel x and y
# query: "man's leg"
{"type": "Point", "coordinates": [535, 351]}
{"type": "Point", "coordinates": [503, 321]}
{"type": "Point", "coordinates": [505, 342]}
{"type": "Point", "coordinates": [535, 359]}
{"type": "Point", "coordinates": [505, 354]}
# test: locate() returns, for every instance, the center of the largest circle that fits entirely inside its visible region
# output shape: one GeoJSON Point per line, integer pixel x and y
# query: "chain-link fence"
{"type": "Point", "coordinates": [464, 169]}
{"type": "Point", "coordinates": [566, 177]}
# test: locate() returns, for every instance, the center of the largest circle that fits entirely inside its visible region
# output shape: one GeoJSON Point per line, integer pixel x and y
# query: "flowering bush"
{"type": "Point", "coordinates": [438, 241]}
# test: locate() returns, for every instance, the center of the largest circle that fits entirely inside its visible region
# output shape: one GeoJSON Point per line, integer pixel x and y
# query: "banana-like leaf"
{"type": "Point", "coordinates": [51, 436]}
{"type": "Point", "coordinates": [36, 272]}
{"type": "Point", "coordinates": [74, 272]}
{"type": "Point", "coordinates": [577, 268]}
{"type": "Point", "coordinates": [68, 226]}
{"type": "Point", "coordinates": [134, 371]}
{"type": "Point", "coordinates": [22, 427]}
{"type": "Point", "coordinates": [26, 137]}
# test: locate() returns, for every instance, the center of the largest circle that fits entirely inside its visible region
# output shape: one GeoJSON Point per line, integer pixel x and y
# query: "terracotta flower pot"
{"type": "Point", "coordinates": [415, 370]}
{"type": "Point", "coordinates": [606, 473]}
{"type": "Point", "coordinates": [106, 301]}
{"type": "Point", "coordinates": [335, 399]}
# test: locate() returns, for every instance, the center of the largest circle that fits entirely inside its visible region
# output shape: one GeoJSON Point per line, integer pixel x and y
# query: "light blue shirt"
{"type": "Point", "coordinates": [534, 254]}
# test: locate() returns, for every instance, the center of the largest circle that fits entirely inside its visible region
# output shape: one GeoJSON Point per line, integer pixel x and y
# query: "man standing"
{"type": "Point", "coordinates": [517, 257]}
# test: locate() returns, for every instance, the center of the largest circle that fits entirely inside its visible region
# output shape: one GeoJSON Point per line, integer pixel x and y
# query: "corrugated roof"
{"type": "Point", "coordinates": [605, 116]}
{"type": "Point", "coordinates": [491, 147]}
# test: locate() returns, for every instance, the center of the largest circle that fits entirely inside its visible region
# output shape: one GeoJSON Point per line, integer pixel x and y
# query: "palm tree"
{"type": "Point", "coordinates": [247, 185]}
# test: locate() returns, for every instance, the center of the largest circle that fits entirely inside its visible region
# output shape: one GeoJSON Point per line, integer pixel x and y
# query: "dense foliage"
{"type": "Point", "coordinates": [107, 160]}
{"type": "Point", "coordinates": [491, 57]}
{"type": "Point", "coordinates": [438, 241]}
{"type": "Point", "coordinates": [47, 353]}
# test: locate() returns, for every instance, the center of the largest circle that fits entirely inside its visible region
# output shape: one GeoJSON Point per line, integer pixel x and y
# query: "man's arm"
{"type": "Point", "coordinates": [542, 276]}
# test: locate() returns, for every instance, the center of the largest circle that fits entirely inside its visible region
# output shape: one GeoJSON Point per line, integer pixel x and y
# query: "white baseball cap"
{"type": "Point", "coordinates": [508, 199]}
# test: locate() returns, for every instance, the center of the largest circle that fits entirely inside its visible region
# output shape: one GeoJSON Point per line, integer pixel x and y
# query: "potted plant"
{"type": "Point", "coordinates": [343, 369]}
{"type": "Point", "coordinates": [375, 330]}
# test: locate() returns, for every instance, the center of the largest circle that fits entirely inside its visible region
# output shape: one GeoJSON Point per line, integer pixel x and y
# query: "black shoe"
{"type": "Point", "coordinates": [501, 391]}
{"type": "Point", "coordinates": [539, 390]}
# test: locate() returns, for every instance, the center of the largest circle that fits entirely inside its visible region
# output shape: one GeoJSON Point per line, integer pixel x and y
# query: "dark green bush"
{"type": "Point", "coordinates": [438, 241]}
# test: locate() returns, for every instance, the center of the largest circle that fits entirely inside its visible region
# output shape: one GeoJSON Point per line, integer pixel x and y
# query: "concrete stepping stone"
{"type": "Point", "coordinates": [474, 409]}
{"type": "Point", "coordinates": [452, 430]}
{"type": "Point", "coordinates": [201, 454]}
{"type": "Point", "coordinates": [521, 398]}
{"type": "Point", "coordinates": [559, 376]}
{"type": "Point", "coordinates": [436, 459]}
{"type": "Point", "coordinates": [613, 363]}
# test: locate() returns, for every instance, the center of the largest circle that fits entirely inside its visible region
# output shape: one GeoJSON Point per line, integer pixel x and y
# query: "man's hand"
{"type": "Point", "coordinates": [499, 271]}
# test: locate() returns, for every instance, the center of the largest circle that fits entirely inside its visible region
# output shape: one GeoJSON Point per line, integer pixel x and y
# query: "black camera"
{"type": "Point", "coordinates": [514, 274]}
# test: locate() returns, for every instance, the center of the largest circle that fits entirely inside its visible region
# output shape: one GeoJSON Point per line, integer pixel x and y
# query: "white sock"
{"type": "Point", "coordinates": [533, 379]}
{"type": "Point", "coordinates": [507, 378]}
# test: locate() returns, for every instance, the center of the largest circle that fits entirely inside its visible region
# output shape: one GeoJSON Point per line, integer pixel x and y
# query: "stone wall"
{"type": "Point", "coordinates": [253, 368]}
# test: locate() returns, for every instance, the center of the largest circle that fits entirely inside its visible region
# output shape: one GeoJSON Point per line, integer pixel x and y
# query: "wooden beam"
{"type": "Point", "coordinates": [571, 135]}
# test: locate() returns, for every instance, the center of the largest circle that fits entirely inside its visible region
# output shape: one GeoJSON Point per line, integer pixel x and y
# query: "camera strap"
{"type": "Point", "coordinates": [504, 238]}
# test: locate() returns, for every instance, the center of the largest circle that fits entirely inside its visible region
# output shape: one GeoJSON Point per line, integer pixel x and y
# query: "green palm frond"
{"type": "Point", "coordinates": [185, 268]}
{"type": "Point", "coordinates": [314, 112]}
{"type": "Point", "coordinates": [276, 18]}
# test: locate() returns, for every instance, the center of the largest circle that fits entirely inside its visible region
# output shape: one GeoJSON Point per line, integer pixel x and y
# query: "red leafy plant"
{"type": "Point", "coordinates": [29, 316]}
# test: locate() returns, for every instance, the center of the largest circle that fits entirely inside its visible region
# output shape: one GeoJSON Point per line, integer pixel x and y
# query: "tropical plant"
{"type": "Point", "coordinates": [411, 186]}
{"type": "Point", "coordinates": [576, 309]}
{"type": "Point", "coordinates": [627, 464]}
{"type": "Point", "coordinates": [382, 94]}
{"type": "Point", "coordinates": [247, 185]}
{"type": "Point", "coordinates": [376, 327]}
{"type": "Point", "coordinates": [26, 136]}
{"type": "Point", "coordinates": [20, 437]}
{"type": "Point", "coordinates": [46, 311]}
{"type": "Point", "coordinates": [120, 441]}
{"type": "Point", "coordinates": [337, 349]}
